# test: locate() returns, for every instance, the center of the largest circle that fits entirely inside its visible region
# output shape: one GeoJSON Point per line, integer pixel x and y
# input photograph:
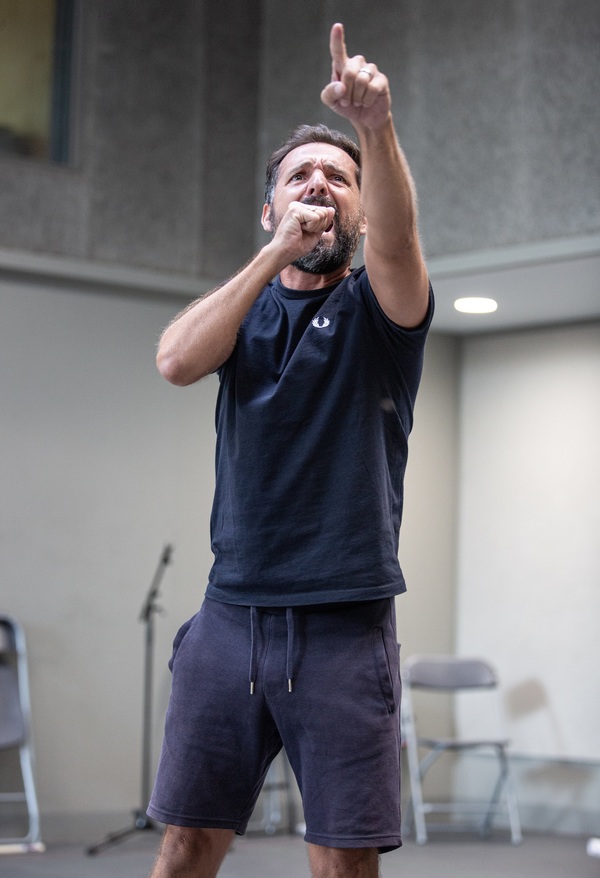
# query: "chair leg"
{"type": "Point", "coordinates": [511, 799]}
{"type": "Point", "coordinates": [513, 812]}
{"type": "Point", "coordinates": [415, 804]}
{"type": "Point", "coordinates": [486, 827]}
{"type": "Point", "coordinates": [504, 784]}
{"type": "Point", "coordinates": [33, 834]}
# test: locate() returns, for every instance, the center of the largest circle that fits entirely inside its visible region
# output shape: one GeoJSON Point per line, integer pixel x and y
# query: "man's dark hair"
{"type": "Point", "coordinates": [308, 134]}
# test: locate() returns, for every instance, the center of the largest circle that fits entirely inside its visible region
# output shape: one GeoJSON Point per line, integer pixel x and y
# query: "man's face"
{"type": "Point", "coordinates": [323, 174]}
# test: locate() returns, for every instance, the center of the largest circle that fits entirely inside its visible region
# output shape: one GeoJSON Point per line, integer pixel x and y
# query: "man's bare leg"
{"type": "Point", "coordinates": [187, 852]}
{"type": "Point", "coordinates": [343, 862]}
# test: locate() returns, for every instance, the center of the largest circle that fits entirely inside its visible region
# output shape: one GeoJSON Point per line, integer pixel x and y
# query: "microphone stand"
{"type": "Point", "coordinates": [141, 820]}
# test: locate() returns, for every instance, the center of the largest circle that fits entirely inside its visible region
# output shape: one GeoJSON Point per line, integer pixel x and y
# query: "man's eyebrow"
{"type": "Point", "coordinates": [328, 164]}
{"type": "Point", "coordinates": [332, 166]}
{"type": "Point", "coordinates": [299, 167]}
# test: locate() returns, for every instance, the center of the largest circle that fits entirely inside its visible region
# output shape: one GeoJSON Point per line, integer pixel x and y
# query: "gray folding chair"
{"type": "Point", "coordinates": [435, 674]}
{"type": "Point", "coordinates": [15, 735]}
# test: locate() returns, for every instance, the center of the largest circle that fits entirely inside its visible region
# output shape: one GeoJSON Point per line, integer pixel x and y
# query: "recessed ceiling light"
{"type": "Point", "coordinates": [475, 305]}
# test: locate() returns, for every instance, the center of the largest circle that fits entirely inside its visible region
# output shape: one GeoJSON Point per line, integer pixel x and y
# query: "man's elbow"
{"type": "Point", "coordinates": [173, 369]}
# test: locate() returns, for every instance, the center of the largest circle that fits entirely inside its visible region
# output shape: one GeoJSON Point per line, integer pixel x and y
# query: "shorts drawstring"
{"type": "Point", "coordinates": [254, 627]}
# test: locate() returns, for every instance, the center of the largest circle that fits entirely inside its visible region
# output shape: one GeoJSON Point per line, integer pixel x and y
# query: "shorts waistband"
{"type": "Point", "coordinates": [332, 607]}
{"type": "Point", "coordinates": [290, 613]}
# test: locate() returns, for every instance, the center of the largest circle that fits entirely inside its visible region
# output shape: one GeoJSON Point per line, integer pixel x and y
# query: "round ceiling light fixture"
{"type": "Point", "coordinates": [476, 305]}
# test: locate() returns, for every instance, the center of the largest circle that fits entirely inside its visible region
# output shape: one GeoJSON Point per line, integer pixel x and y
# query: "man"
{"type": "Point", "coordinates": [319, 365]}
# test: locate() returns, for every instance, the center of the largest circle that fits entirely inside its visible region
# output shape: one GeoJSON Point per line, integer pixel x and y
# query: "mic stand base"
{"type": "Point", "coordinates": [141, 822]}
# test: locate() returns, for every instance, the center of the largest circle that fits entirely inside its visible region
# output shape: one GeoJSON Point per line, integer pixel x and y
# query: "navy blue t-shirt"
{"type": "Point", "coordinates": [313, 415]}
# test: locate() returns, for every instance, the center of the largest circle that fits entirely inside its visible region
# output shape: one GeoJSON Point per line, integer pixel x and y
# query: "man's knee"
{"type": "Point", "coordinates": [190, 851]}
{"type": "Point", "coordinates": [326, 862]}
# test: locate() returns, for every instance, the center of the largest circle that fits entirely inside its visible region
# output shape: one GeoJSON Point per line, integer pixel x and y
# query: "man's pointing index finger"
{"type": "Point", "coordinates": [337, 47]}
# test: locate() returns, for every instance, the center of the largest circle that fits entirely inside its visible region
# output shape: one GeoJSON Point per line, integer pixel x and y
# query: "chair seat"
{"type": "Point", "coordinates": [461, 744]}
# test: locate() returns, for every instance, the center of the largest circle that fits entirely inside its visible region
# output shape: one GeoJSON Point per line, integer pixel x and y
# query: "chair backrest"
{"type": "Point", "coordinates": [12, 725]}
{"type": "Point", "coordinates": [14, 688]}
{"type": "Point", "coordinates": [7, 643]}
{"type": "Point", "coordinates": [449, 673]}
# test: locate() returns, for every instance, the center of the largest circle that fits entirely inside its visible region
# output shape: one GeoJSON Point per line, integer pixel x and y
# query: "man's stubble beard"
{"type": "Point", "coordinates": [326, 258]}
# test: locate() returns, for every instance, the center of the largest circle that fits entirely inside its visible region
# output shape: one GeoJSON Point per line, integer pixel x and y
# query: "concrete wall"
{"type": "Point", "coordinates": [178, 105]}
{"type": "Point", "coordinates": [164, 156]}
{"type": "Point", "coordinates": [495, 105]}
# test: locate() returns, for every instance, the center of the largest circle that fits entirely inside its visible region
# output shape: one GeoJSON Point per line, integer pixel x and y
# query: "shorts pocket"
{"type": "Point", "coordinates": [179, 638]}
{"type": "Point", "coordinates": [383, 668]}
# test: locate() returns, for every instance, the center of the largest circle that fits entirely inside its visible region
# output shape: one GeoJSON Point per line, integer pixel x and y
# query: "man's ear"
{"type": "Point", "coordinates": [363, 227]}
{"type": "Point", "coordinates": [266, 218]}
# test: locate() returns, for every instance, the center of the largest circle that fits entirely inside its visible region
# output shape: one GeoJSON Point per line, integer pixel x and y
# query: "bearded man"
{"type": "Point", "coordinates": [319, 364]}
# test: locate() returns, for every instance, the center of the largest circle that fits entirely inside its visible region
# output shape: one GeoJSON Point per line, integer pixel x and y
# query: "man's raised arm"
{"type": "Point", "coordinates": [359, 92]}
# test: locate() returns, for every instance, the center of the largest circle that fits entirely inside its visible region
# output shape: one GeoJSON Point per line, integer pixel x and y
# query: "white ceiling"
{"type": "Point", "coordinates": [553, 282]}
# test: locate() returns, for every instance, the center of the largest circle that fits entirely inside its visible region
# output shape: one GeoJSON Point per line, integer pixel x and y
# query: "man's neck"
{"type": "Point", "coordinates": [295, 279]}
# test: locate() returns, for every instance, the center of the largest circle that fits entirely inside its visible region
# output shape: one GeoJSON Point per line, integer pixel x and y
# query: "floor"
{"type": "Point", "coordinates": [259, 856]}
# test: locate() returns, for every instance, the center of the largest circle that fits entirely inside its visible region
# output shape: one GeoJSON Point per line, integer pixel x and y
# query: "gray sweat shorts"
{"type": "Point", "coordinates": [321, 681]}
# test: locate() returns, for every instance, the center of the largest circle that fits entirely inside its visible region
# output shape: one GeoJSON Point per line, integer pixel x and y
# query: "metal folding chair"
{"type": "Point", "coordinates": [436, 674]}
{"type": "Point", "coordinates": [15, 735]}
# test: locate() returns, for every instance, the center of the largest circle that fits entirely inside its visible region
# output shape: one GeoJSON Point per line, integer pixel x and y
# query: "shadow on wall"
{"type": "Point", "coordinates": [556, 794]}
{"type": "Point", "coordinates": [528, 702]}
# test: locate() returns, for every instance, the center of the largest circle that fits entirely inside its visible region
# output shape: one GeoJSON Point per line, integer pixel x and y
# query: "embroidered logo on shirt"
{"type": "Point", "coordinates": [321, 322]}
